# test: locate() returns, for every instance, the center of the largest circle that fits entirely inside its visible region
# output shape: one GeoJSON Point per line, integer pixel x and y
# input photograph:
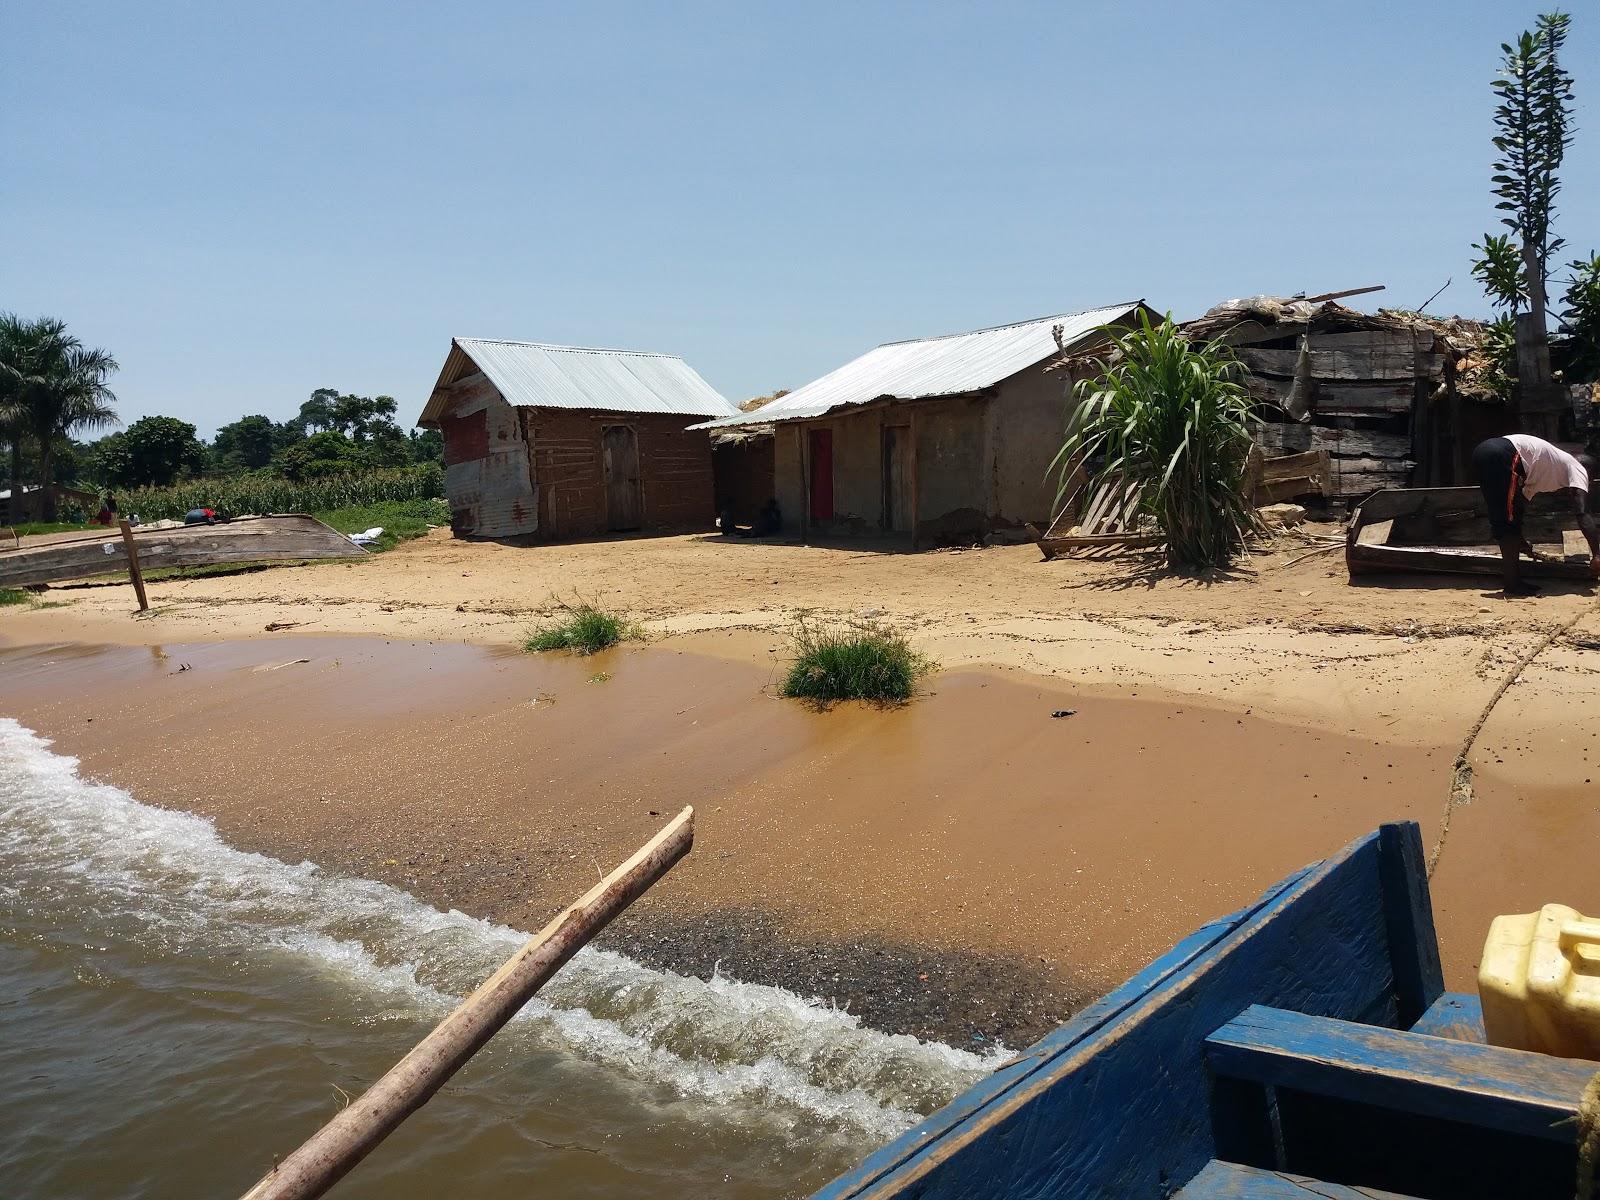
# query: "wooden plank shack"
{"type": "Point", "coordinates": [545, 441]}
{"type": "Point", "coordinates": [1370, 389]}
{"type": "Point", "coordinates": [62, 557]}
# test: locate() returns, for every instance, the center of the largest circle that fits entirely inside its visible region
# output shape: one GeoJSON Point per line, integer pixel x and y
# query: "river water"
{"type": "Point", "coordinates": [174, 1012]}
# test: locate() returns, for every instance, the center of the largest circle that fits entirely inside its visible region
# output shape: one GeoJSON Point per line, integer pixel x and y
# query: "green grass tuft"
{"type": "Point", "coordinates": [15, 596]}
{"type": "Point", "coordinates": [401, 520]}
{"type": "Point", "coordinates": [857, 661]}
{"type": "Point", "coordinates": [585, 629]}
{"type": "Point", "coordinates": [30, 528]}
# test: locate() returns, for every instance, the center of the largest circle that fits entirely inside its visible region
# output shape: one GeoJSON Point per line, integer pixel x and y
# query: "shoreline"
{"type": "Point", "coordinates": [1021, 863]}
{"type": "Point", "coordinates": [1279, 634]}
{"type": "Point", "coordinates": [376, 717]}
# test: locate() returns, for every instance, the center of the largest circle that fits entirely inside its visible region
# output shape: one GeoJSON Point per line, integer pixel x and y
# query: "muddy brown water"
{"type": "Point", "coordinates": [943, 879]}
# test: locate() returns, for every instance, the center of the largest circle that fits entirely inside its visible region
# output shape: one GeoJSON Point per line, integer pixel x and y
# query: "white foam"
{"type": "Point", "coordinates": [166, 878]}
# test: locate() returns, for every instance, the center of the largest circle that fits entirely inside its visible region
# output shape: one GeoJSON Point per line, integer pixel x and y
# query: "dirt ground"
{"type": "Point", "coordinates": [1227, 730]}
{"type": "Point", "coordinates": [1413, 655]}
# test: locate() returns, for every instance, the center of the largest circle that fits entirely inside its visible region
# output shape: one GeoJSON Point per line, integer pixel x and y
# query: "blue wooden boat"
{"type": "Point", "coordinates": [1301, 1047]}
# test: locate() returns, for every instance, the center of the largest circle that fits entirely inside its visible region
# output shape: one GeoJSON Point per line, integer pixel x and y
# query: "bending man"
{"type": "Point", "coordinates": [1512, 470]}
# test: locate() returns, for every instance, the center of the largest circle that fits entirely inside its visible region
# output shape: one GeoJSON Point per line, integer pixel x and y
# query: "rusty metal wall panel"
{"type": "Point", "coordinates": [494, 495]}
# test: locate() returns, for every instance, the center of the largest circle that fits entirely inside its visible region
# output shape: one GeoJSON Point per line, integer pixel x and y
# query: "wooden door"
{"type": "Point", "coordinates": [619, 451]}
{"type": "Point", "coordinates": [897, 478]}
{"type": "Point", "coordinates": [821, 476]}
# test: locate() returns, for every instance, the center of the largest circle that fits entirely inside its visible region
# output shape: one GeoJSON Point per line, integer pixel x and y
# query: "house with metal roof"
{"type": "Point", "coordinates": [940, 440]}
{"type": "Point", "coordinates": [566, 441]}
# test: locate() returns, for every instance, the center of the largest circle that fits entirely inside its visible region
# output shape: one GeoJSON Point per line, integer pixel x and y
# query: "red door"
{"type": "Point", "coordinates": [822, 474]}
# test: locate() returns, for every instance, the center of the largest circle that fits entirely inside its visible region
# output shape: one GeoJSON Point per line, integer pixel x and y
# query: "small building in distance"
{"type": "Point", "coordinates": [940, 441]}
{"type": "Point", "coordinates": [564, 441]}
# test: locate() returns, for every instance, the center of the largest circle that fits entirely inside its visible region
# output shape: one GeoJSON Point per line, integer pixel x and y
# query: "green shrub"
{"type": "Point", "coordinates": [400, 520]}
{"type": "Point", "coordinates": [1167, 420]}
{"type": "Point", "coordinates": [856, 661]}
{"type": "Point", "coordinates": [14, 596]}
{"type": "Point", "coordinates": [584, 629]}
{"type": "Point", "coordinates": [239, 495]}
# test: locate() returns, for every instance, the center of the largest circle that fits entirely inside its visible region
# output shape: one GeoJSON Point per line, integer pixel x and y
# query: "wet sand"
{"type": "Point", "coordinates": [968, 867]}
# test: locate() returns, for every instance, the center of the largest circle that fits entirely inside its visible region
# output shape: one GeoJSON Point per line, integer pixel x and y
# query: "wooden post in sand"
{"type": "Point", "coordinates": [134, 572]}
{"type": "Point", "coordinates": [344, 1141]}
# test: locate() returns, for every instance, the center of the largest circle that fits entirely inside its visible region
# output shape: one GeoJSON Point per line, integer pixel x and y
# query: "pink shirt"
{"type": "Point", "coordinates": [1549, 468]}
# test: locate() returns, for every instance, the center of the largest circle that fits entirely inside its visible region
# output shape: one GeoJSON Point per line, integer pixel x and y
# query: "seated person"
{"type": "Point", "coordinates": [768, 521]}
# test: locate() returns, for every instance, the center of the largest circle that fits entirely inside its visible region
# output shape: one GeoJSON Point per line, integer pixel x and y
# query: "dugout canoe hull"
{"type": "Point", "coordinates": [1446, 531]}
{"type": "Point", "coordinates": [283, 537]}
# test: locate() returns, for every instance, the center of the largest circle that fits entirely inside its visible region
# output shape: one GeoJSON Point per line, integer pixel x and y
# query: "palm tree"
{"type": "Point", "coordinates": [11, 410]}
{"type": "Point", "coordinates": [11, 435]}
{"type": "Point", "coordinates": [50, 385]}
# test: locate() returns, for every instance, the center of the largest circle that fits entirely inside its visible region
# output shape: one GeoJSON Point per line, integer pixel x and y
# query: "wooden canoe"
{"type": "Point", "coordinates": [289, 536]}
{"type": "Point", "coordinates": [1447, 530]}
{"type": "Point", "coordinates": [1303, 1046]}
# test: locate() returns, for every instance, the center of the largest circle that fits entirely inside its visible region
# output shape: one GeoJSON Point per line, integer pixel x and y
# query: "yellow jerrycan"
{"type": "Point", "coordinates": [1540, 982]}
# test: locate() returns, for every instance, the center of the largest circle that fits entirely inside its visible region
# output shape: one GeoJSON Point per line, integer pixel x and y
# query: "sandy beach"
{"type": "Point", "coordinates": [968, 867]}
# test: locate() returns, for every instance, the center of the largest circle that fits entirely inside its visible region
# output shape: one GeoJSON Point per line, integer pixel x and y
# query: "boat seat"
{"type": "Point", "coordinates": [1486, 1086]}
{"type": "Point", "coordinates": [1223, 1179]}
{"type": "Point", "coordinates": [1454, 1015]}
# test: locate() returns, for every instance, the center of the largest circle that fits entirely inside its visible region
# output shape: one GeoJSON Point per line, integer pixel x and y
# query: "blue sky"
{"type": "Point", "coordinates": [244, 202]}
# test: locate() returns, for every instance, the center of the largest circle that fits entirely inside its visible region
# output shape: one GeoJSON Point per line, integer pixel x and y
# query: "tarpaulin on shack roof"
{"type": "Point", "coordinates": [952, 365]}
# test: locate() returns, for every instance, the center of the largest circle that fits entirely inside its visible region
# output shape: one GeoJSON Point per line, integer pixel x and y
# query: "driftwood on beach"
{"type": "Point", "coordinates": [324, 1158]}
{"type": "Point", "coordinates": [290, 536]}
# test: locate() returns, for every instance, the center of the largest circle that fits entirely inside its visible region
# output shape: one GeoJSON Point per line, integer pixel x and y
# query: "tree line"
{"type": "Point", "coordinates": [54, 390]}
{"type": "Point", "coordinates": [334, 433]}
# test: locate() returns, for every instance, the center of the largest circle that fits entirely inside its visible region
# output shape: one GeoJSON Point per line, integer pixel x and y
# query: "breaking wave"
{"type": "Point", "coordinates": [90, 854]}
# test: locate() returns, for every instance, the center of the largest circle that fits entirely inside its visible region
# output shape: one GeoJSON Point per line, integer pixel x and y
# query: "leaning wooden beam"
{"type": "Point", "coordinates": [339, 1145]}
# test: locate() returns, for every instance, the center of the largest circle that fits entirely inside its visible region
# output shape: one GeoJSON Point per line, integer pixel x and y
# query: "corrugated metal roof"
{"type": "Point", "coordinates": [535, 375]}
{"type": "Point", "coordinates": [940, 366]}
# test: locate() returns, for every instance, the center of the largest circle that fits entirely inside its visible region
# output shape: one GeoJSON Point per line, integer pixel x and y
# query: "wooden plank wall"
{"type": "Point", "coordinates": [674, 467]}
{"type": "Point", "coordinates": [565, 445]}
{"type": "Point", "coordinates": [1365, 389]}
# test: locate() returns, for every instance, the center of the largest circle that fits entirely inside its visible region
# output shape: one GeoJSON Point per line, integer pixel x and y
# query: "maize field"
{"type": "Point", "coordinates": [242, 495]}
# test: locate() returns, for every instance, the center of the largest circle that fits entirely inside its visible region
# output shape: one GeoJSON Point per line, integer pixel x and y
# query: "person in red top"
{"type": "Point", "coordinates": [1512, 470]}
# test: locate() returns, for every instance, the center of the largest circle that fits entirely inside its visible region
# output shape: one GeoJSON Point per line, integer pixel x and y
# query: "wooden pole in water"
{"type": "Point", "coordinates": [133, 565]}
{"type": "Point", "coordinates": [339, 1145]}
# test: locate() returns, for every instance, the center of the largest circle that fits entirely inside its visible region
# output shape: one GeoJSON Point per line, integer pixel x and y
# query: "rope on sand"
{"type": "Point", "coordinates": [1461, 769]}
